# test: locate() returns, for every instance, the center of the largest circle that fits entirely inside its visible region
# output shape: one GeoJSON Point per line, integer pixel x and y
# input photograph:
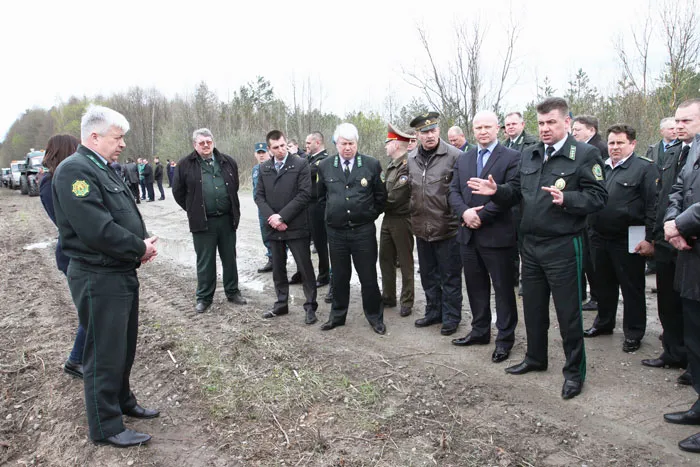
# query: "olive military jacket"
{"type": "Point", "coordinates": [576, 169]}
{"type": "Point", "coordinates": [286, 193]}
{"type": "Point", "coordinates": [631, 190]}
{"type": "Point", "coordinates": [398, 188]}
{"type": "Point", "coordinates": [98, 222]}
{"type": "Point", "coordinates": [432, 217]}
{"type": "Point", "coordinates": [354, 201]}
{"type": "Point", "coordinates": [684, 207]}
{"type": "Point", "coordinates": [188, 193]}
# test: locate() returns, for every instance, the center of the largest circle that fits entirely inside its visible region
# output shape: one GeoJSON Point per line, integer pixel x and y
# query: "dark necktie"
{"type": "Point", "coordinates": [683, 156]}
{"type": "Point", "coordinates": [666, 145]}
{"type": "Point", "coordinates": [347, 169]}
{"type": "Point", "coordinates": [480, 161]}
{"type": "Point", "coordinates": [548, 153]}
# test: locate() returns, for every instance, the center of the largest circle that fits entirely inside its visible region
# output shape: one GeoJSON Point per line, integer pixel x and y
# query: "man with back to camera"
{"type": "Point", "coordinates": [631, 185]}
{"type": "Point", "coordinates": [487, 237]}
{"type": "Point", "coordinates": [206, 186]}
{"type": "Point", "coordinates": [282, 195]}
{"type": "Point", "coordinates": [560, 182]}
{"type": "Point", "coordinates": [681, 230]}
{"type": "Point", "coordinates": [396, 238]}
{"type": "Point", "coordinates": [158, 177]}
{"type": "Point", "coordinates": [435, 225]}
{"type": "Point", "coordinates": [351, 191]}
{"type": "Point", "coordinates": [261, 155]}
{"type": "Point", "coordinates": [102, 232]}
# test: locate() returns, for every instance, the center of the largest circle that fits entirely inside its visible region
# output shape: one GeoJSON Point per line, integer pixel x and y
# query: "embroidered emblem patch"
{"type": "Point", "coordinates": [318, 162]}
{"type": "Point", "coordinates": [382, 177]}
{"type": "Point", "coordinates": [363, 182]}
{"type": "Point", "coordinates": [80, 188]}
{"type": "Point", "coordinates": [560, 184]}
{"type": "Point", "coordinates": [572, 153]}
{"type": "Point", "coordinates": [403, 179]}
{"type": "Point", "coordinates": [597, 172]}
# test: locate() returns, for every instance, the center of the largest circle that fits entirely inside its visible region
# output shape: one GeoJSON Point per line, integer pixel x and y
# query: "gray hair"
{"type": "Point", "coordinates": [98, 119]}
{"type": "Point", "coordinates": [346, 131]}
{"type": "Point", "coordinates": [667, 122]}
{"type": "Point", "coordinates": [455, 130]}
{"type": "Point", "coordinates": [202, 132]}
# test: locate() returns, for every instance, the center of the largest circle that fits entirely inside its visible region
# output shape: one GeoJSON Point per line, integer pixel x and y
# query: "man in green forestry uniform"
{"type": "Point", "coordinates": [396, 236]}
{"type": "Point", "coordinates": [103, 234]}
{"type": "Point", "coordinates": [206, 186]}
{"type": "Point", "coordinates": [560, 182]}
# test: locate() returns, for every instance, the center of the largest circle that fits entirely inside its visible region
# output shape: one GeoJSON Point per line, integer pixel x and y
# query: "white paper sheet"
{"type": "Point", "coordinates": [635, 234]}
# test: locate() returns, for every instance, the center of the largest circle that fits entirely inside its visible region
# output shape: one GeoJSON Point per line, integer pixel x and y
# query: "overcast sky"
{"type": "Point", "coordinates": [355, 52]}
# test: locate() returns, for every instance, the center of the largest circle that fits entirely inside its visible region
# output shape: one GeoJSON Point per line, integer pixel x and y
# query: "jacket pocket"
{"type": "Point", "coordinates": [116, 198]}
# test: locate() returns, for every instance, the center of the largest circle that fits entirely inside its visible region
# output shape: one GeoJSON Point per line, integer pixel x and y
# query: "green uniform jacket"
{"type": "Point", "coordinates": [98, 222]}
{"type": "Point", "coordinates": [521, 142]}
{"type": "Point", "coordinates": [576, 169]}
{"type": "Point", "coordinates": [353, 202]}
{"type": "Point", "coordinates": [398, 188]}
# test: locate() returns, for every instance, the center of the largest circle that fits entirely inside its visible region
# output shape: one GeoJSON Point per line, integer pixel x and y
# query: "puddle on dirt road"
{"type": "Point", "coordinates": [38, 246]}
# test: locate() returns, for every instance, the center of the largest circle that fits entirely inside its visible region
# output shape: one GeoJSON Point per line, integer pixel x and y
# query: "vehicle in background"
{"type": "Point", "coordinates": [31, 173]}
{"type": "Point", "coordinates": [16, 168]}
{"type": "Point", "coordinates": [6, 175]}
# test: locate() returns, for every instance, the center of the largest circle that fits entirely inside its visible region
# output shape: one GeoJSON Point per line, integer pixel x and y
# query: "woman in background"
{"type": "Point", "coordinates": [58, 148]}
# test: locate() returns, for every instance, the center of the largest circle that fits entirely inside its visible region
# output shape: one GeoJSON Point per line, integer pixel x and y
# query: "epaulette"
{"type": "Point", "coordinates": [644, 158]}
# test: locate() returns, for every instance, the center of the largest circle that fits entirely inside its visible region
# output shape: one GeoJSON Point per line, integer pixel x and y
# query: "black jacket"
{"type": "Point", "coordinates": [353, 202]}
{"type": "Point", "coordinates": [497, 228]}
{"type": "Point", "coordinates": [314, 162]}
{"type": "Point", "coordinates": [131, 173]}
{"type": "Point", "coordinates": [98, 222]}
{"type": "Point", "coordinates": [158, 176]}
{"type": "Point", "coordinates": [578, 166]}
{"type": "Point", "coordinates": [684, 207]}
{"type": "Point", "coordinates": [600, 143]}
{"type": "Point", "coordinates": [187, 188]}
{"type": "Point", "coordinates": [631, 190]}
{"type": "Point", "coordinates": [147, 173]}
{"type": "Point", "coordinates": [286, 193]}
{"type": "Point", "coordinates": [670, 168]}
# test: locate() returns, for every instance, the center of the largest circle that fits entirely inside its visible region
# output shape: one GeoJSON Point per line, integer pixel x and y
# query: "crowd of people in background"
{"type": "Point", "coordinates": [578, 215]}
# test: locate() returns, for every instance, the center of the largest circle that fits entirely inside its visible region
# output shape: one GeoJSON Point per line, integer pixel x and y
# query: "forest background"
{"type": "Point", "coordinates": [457, 88]}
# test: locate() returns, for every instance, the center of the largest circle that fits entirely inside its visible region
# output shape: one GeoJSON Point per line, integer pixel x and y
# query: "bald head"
{"type": "Point", "coordinates": [485, 124]}
{"type": "Point", "coordinates": [455, 136]}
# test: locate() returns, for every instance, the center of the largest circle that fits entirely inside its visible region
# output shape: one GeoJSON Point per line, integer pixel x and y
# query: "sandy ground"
{"type": "Point", "coordinates": [234, 389]}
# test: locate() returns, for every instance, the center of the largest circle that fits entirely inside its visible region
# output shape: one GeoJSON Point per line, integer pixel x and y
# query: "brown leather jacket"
{"type": "Point", "coordinates": [432, 218]}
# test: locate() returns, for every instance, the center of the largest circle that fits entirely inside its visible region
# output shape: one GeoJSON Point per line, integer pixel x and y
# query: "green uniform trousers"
{"type": "Point", "coordinates": [222, 236]}
{"type": "Point", "coordinates": [396, 241]}
{"type": "Point", "coordinates": [108, 308]}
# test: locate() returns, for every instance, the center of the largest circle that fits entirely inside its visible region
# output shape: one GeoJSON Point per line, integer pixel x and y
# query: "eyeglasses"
{"type": "Point", "coordinates": [205, 143]}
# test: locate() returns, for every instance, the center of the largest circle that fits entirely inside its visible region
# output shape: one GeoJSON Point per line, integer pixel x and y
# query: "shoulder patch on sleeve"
{"type": "Point", "coordinates": [80, 188]}
{"type": "Point", "coordinates": [597, 172]}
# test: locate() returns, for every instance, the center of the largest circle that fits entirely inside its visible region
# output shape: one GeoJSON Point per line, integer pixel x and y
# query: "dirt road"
{"type": "Point", "coordinates": [239, 390]}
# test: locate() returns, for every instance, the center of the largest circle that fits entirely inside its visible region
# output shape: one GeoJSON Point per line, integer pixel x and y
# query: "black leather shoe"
{"type": "Point", "coordinates": [470, 339]}
{"type": "Point", "coordinates": [73, 369]}
{"type": "Point", "coordinates": [310, 317]}
{"type": "Point", "coordinates": [500, 354]}
{"type": "Point", "coordinates": [140, 412]}
{"type": "Point", "coordinates": [631, 345]}
{"type": "Point", "coordinates": [594, 331]}
{"type": "Point", "coordinates": [274, 313]}
{"type": "Point", "coordinates": [423, 322]}
{"type": "Point", "coordinates": [689, 417]}
{"type": "Point", "coordinates": [590, 305]}
{"type": "Point", "coordinates": [405, 311]}
{"type": "Point", "coordinates": [524, 367]}
{"type": "Point", "coordinates": [328, 325]}
{"type": "Point", "coordinates": [661, 363]}
{"type": "Point", "coordinates": [267, 267]}
{"type": "Point", "coordinates": [237, 299]}
{"type": "Point", "coordinates": [691, 443]}
{"type": "Point", "coordinates": [296, 278]}
{"type": "Point", "coordinates": [321, 283]}
{"type": "Point", "coordinates": [685, 379]}
{"type": "Point", "coordinates": [448, 329]}
{"type": "Point", "coordinates": [202, 307]}
{"type": "Point", "coordinates": [329, 296]}
{"type": "Point", "coordinates": [571, 389]}
{"type": "Point", "coordinates": [125, 439]}
{"type": "Point", "coordinates": [379, 328]}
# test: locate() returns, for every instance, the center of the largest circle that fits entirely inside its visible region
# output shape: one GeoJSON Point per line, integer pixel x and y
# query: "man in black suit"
{"type": "Point", "coordinates": [487, 237]}
{"type": "Point", "coordinates": [681, 229]}
{"type": "Point", "coordinates": [282, 195]}
{"type": "Point", "coordinates": [352, 193]}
